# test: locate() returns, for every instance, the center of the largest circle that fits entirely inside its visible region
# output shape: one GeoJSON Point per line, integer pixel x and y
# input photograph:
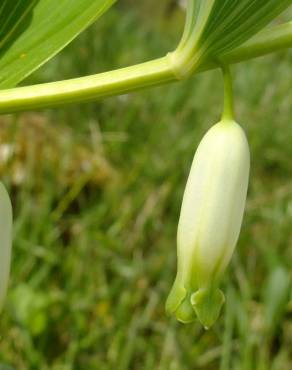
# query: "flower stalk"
{"type": "Point", "coordinates": [228, 110]}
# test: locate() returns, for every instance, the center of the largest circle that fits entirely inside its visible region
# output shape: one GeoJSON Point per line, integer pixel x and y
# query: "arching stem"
{"type": "Point", "coordinates": [126, 80]}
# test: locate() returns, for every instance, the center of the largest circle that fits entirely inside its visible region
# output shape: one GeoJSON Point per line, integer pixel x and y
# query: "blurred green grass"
{"type": "Point", "coordinates": [97, 191]}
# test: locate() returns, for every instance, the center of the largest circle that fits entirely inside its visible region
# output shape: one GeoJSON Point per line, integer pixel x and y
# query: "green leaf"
{"type": "Point", "coordinates": [215, 27]}
{"type": "Point", "coordinates": [33, 31]}
{"type": "Point", "coordinates": [232, 22]}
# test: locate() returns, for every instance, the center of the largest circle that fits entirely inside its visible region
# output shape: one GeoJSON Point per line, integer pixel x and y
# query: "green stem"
{"type": "Point", "coordinates": [228, 111]}
{"type": "Point", "coordinates": [126, 80]}
{"type": "Point", "coordinates": [87, 88]}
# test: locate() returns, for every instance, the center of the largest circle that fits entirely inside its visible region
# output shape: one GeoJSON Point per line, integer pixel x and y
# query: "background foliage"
{"type": "Point", "coordinates": [97, 191]}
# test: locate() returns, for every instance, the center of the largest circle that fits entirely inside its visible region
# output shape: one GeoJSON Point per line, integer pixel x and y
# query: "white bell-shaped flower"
{"type": "Point", "coordinates": [210, 222]}
{"type": "Point", "coordinates": [5, 241]}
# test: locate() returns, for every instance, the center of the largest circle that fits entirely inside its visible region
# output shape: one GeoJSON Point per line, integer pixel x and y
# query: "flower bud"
{"type": "Point", "coordinates": [210, 222]}
{"type": "Point", "coordinates": [5, 241]}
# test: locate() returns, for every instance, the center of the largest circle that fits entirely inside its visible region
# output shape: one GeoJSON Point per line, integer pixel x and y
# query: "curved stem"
{"type": "Point", "coordinates": [85, 89]}
{"type": "Point", "coordinates": [125, 80]}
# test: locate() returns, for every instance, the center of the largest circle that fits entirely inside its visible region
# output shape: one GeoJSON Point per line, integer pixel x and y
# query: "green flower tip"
{"type": "Point", "coordinates": [204, 305]}
{"type": "Point", "coordinates": [207, 305]}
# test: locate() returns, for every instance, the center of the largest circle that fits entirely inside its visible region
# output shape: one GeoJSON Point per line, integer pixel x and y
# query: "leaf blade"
{"type": "Point", "coordinates": [49, 30]}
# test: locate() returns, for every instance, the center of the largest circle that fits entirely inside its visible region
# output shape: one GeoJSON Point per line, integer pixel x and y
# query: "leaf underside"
{"type": "Point", "coordinates": [218, 26]}
{"type": "Point", "coordinates": [233, 22]}
{"type": "Point", "coordinates": [33, 31]}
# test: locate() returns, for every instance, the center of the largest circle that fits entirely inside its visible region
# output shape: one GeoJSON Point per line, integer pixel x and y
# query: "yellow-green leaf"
{"type": "Point", "coordinates": [33, 31]}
